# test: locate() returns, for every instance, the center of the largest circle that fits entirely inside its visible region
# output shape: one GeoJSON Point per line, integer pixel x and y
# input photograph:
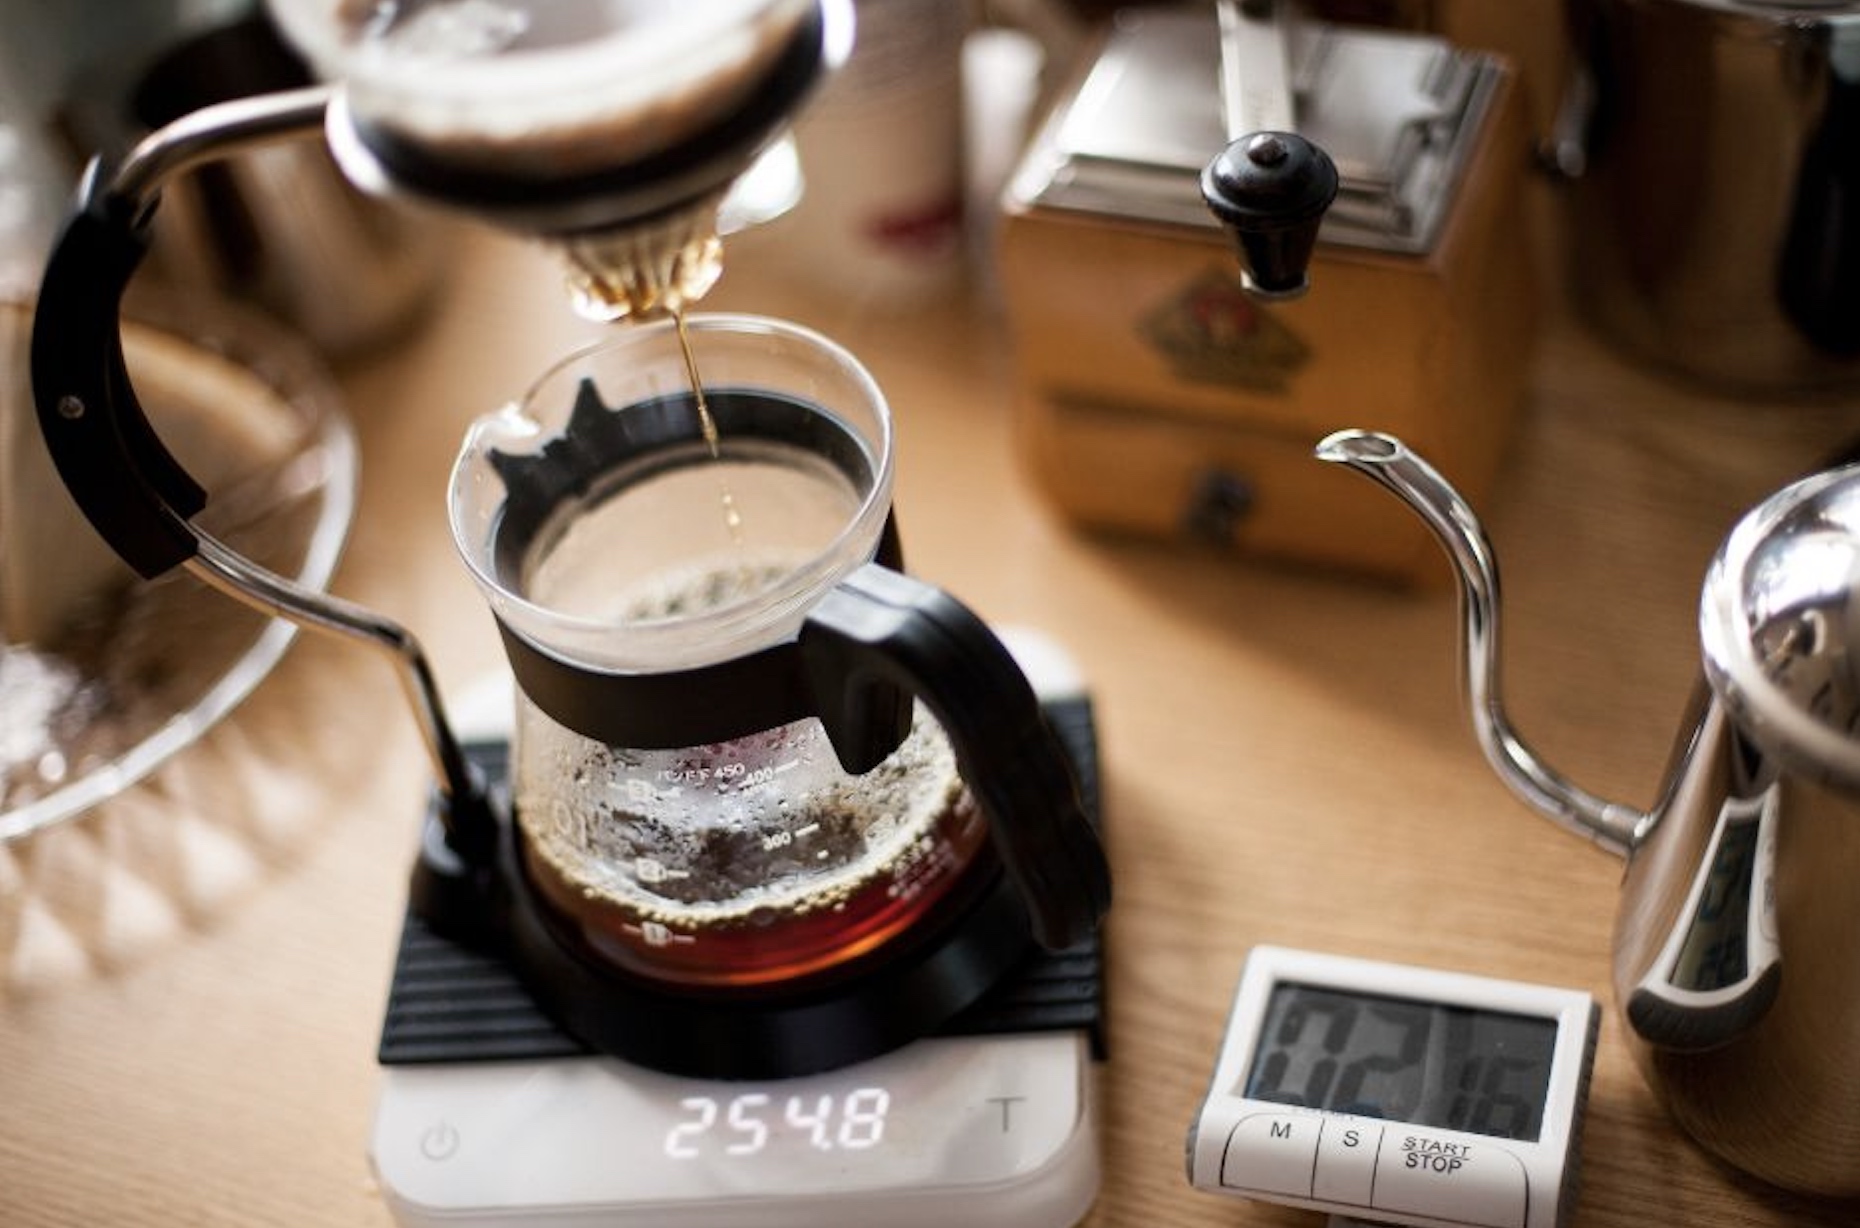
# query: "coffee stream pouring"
{"type": "Point", "coordinates": [650, 728]}
{"type": "Point", "coordinates": [1734, 944]}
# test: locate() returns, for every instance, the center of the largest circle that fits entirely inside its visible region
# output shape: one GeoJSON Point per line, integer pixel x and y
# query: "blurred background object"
{"type": "Point", "coordinates": [104, 677]}
{"type": "Point", "coordinates": [1713, 153]}
{"type": "Point", "coordinates": [883, 155]}
{"type": "Point", "coordinates": [281, 229]}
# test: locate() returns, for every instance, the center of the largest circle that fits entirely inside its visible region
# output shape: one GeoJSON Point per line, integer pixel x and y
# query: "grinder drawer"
{"type": "Point", "coordinates": [1260, 492]}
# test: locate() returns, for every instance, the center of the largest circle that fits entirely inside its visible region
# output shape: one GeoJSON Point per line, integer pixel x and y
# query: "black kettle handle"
{"type": "Point", "coordinates": [124, 480]}
{"type": "Point", "coordinates": [881, 633]}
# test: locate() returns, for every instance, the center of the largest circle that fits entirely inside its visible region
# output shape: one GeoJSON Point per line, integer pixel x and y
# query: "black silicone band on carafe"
{"type": "Point", "coordinates": [127, 484]}
{"type": "Point", "coordinates": [880, 629]}
{"type": "Point", "coordinates": [703, 705]}
{"type": "Point", "coordinates": [600, 448]}
{"type": "Point", "coordinates": [688, 707]}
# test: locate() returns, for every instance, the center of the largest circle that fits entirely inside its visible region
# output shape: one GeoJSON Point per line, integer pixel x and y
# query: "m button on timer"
{"type": "Point", "coordinates": [1272, 1153]}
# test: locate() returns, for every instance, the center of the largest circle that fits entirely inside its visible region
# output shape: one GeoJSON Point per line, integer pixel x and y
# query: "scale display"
{"type": "Point", "coordinates": [1405, 1095]}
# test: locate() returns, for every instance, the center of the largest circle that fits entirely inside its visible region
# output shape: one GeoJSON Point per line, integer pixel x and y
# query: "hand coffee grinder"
{"type": "Point", "coordinates": [530, 1074]}
{"type": "Point", "coordinates": [1154, 397]}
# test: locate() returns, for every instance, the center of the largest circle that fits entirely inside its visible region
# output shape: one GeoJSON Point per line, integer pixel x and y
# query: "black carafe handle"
{"type": "Point", "coordinates": [880, 632]}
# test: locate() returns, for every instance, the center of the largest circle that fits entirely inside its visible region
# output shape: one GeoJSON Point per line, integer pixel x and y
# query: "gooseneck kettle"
{"type": "Point", "coordinates": [1737, 942]}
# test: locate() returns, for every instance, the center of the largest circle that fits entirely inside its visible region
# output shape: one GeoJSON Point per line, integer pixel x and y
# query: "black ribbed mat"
{"type": "Point", "coordinates": [450, 1003]}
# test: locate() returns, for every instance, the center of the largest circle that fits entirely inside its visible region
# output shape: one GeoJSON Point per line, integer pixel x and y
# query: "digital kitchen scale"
{"type": "Point", "coordinates": [489, 1115]}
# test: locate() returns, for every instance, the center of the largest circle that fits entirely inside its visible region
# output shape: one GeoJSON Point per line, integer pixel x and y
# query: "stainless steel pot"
{"type": "Point", "coordinates": [1714, 148]}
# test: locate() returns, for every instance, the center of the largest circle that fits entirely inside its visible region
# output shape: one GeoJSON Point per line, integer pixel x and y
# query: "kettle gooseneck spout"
{"type": "Point", "coordinates": [1387, 461]}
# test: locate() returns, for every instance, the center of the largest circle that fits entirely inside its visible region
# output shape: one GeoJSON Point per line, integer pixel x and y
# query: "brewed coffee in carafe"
{"type": "Point", "coordinates": [591, 515]}
{"type": "Point", "coordinates": [754, 859]}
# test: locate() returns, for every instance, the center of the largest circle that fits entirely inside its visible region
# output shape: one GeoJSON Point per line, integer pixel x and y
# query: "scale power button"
{"type": "Point", "coordinates": [439, 1141]}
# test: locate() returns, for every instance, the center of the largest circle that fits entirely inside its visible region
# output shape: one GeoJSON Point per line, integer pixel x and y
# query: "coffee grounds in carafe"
{"type": "Point", "coordinates": [746, 862]}
{"type": "Point", "coordinates": [747, 885]}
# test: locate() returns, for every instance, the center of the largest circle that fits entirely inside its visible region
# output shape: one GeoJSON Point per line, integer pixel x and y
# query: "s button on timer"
{"type": "Point", "coordinates": [1346, 1161]}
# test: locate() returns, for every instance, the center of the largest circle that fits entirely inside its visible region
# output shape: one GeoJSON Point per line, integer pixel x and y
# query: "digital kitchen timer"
{"type": "Point", "coordinates": [1397, 1094]}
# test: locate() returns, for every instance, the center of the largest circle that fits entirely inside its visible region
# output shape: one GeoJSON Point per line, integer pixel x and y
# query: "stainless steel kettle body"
{"type": "Point", "coordinates": [1737, 942]}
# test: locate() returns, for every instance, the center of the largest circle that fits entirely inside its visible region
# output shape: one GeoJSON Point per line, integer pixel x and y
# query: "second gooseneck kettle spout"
{"type": "Point", "coordinates": [1388, 462]}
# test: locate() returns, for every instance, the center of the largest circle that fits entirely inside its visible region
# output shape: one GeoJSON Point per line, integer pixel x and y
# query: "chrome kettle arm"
{"type": "Point", "coordinates": [1389, 462]}
{"type": "Point", "coordinates": [124, 480]}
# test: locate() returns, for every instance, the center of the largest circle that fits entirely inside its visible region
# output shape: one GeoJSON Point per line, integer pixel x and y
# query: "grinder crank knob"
{"type": "Point", "coordinates": [1271, 190]}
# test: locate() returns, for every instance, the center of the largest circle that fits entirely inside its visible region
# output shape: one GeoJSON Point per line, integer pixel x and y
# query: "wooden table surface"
{"type": "Point", "coordinates": [1284, 758]}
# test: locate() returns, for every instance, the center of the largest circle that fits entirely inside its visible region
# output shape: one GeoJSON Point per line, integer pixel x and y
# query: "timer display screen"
{"type": "Point", "coordinates": [1423, 1063]}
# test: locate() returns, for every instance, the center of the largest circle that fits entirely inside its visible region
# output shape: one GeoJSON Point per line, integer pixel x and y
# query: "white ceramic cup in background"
{"type": "Point", "coordinates": [882, 157]}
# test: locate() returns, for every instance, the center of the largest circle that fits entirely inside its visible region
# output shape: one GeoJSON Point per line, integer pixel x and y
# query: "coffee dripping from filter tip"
{"type": "Point", "coordinates": [616, 142]}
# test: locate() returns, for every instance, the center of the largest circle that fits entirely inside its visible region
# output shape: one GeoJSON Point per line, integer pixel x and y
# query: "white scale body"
{"type": "Point", "coordinates": [983, 1132]}
{"type": "Point", "coordinates": [1433, 1153]}
{"type": "Point", "coordinates": [989, 1131]}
